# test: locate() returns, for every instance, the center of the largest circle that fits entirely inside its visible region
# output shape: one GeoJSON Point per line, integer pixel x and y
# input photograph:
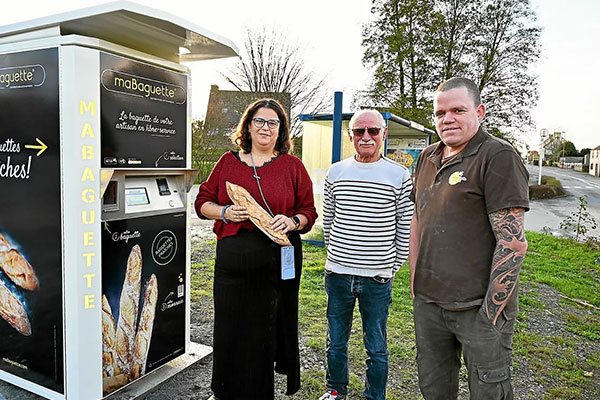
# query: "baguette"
{"type": "Point", "coordinates": [18, 269]}
{"type": "Point", "coordinates": [128, 312]}
{"type": "Point", "coordinates": [258, 216]}
{"type": "Point", "coordinates": [4, 245]}
{"type": "Point", "coordinates": [112, 383]}
{"type": "Point", "coordinates": [108, 339]}
{"type": "Point", "coordinates": [12, 310]}
{"type": "Point", "coordinates": [144, 333]}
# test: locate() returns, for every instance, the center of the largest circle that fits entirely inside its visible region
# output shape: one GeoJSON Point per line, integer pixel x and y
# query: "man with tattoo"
{"type": "Point", "coordinates": [467, 246]}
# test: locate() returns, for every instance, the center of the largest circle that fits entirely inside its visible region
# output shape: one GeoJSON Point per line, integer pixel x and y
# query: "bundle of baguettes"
{"type": "Point", "coordinates": [125, 346]}
{"type": "Point", "coordinates": [258, 215]}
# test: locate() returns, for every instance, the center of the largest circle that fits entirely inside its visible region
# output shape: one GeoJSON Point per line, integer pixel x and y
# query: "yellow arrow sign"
{"type": "Point", "coordinates": [41, 147]}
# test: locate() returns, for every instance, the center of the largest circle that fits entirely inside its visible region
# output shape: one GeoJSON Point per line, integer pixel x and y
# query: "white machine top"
{"type": "Point", "coordinates": [131, 25]}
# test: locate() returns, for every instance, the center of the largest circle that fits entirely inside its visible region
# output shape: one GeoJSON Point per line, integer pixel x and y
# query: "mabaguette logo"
{"type": "Point", "coordinates": [126, 236]}
{"type": "Point", "coordinates": [24, 76]}
{"type": "Point", "coordinates": [133, 85]}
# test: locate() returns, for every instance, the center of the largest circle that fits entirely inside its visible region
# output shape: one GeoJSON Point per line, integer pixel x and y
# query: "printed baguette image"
{"type": "Point", "coordinates": [128, 312]}
{"type": "Point", "coordinates": [12, 310]}
{"type": "Point", "coordinates": [18, 270]}
{"type": "Point", "coordinates": [16, 267]}
{"type": "Point", "coordinates": [108, 339]}
{"type": "Point", "coordinates": [125, 345]}
{"type": "Point", "coordinates": [144, 333]}
{"type": "Point", "coordinates": [258, 215]}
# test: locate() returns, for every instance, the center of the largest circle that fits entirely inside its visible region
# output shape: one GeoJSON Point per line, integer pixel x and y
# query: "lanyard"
{"type": "Point", "coordinates": [258, 182]}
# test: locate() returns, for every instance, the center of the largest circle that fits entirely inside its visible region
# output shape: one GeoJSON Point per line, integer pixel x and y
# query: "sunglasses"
{"type": "Point", "coordinates": [361, 131]}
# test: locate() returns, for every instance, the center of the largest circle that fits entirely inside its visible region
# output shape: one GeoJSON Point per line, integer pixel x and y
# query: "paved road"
{"type": "Point", "coordinates": [548, 214]}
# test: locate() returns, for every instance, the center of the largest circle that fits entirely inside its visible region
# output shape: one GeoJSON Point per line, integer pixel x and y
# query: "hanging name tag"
{"type": "Point", "coordinates": [287, 263]}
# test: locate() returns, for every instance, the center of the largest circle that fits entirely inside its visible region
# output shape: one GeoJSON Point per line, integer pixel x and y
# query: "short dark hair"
{"type": "Point", "coordinates": [458, 82]}
{"type": "Point", "coordinates": [241, 136]}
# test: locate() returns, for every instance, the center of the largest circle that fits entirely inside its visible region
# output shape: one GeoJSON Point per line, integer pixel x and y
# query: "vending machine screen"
{"type": "Point", "coordinates": [136, 196]}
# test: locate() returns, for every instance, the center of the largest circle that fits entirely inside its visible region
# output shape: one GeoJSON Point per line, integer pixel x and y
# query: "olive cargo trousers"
{"type": "Point", "coordinates": [441, 337]}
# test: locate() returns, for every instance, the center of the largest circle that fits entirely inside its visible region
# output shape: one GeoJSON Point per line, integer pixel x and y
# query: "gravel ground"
{"type": "Point", "coordinates": [194, 383]}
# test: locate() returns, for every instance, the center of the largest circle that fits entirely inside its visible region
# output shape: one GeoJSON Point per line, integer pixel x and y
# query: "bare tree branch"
{"type": "Point", "coordinates": [274, 64]}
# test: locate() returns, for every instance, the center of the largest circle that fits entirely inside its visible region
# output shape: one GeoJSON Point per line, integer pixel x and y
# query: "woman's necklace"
{"type": "Point", "coordinates": [259, 187]}
{"type": "Point", "coordinates": [261, 159]}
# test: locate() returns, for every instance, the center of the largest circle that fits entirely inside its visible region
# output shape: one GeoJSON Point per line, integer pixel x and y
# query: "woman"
{"type": "Point", "coordinates": [256, 311]}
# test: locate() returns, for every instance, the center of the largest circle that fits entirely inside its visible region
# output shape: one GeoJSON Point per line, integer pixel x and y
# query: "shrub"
{"type": "Point", "coordinates": [538, 192]}
{"type": "Point", "coordinates": [549, 189]}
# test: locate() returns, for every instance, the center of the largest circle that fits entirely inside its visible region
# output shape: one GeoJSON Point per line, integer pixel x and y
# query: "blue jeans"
{"type": "Point", "coordinates": [374, 297]}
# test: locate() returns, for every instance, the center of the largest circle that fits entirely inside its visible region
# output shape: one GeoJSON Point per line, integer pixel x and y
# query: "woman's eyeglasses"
{"type": "Point", "coordinates": [361, 131]}
{"type": "Point", "coordinates": [260, 122]}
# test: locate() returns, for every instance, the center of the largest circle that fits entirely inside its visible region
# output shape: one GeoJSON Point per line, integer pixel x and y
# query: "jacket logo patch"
{"type": "Point", "coordinates": [456, 177]}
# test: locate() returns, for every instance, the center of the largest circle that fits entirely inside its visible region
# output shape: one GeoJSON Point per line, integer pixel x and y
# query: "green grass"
{"type": "Point", "coordinates": [202, 276]}
{"type": "Point", "coordinates": [555, 360]}
{"type": "Point", "coordinates": [566, 266]}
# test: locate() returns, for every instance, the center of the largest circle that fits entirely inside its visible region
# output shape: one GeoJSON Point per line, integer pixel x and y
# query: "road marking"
{"type": "Point", "coordinates": [578, 187]}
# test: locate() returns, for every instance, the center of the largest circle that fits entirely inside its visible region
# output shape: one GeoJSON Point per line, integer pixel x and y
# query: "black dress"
{"type": "Point", "coordinates": [256, 318]}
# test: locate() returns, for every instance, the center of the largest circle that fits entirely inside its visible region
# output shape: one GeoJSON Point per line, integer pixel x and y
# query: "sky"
{"type": "Point", "coordinates": [329, 33]}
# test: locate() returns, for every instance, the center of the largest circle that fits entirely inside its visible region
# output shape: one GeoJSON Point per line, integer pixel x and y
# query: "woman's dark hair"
{"type": "Point", "coordinates": [241, 136]}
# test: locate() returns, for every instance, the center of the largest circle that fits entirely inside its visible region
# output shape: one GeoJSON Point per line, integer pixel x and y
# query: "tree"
{"type": "Point", "coordinates": [580, 222]}
{"type": "Point", "coordinates": [567, 149]}
{"type": "Point", "coordinates": [507, 43]}
{"type": "Point", "coordinates": [206, 149]}
{"type": "Point", "coordinates": [452, 34]}
{"type": "Point", "coordinates": [396, 45]}
{"type": "Point", "coordinates": [273, 64]}
{"type": "Point", "coordinates": [585, 151]}
{"type": "Point", "coordinates": [413, 45]}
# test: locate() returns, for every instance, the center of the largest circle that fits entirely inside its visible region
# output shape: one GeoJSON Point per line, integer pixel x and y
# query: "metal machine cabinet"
{"type": "Point", "coordinates": [95, 169]}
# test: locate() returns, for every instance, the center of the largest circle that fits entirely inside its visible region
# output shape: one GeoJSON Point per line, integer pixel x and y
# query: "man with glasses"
{"type": "Point", "coordinates": [366, 220]}
{"type": "Point", "coordinates": [467, 246]}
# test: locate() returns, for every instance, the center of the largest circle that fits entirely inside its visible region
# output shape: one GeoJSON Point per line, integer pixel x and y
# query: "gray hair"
{"type": "Point", "coordinates": [360, 113]}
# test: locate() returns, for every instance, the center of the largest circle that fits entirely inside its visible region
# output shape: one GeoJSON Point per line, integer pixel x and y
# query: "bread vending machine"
{"type": "Point", "coordinates": [95, 169]}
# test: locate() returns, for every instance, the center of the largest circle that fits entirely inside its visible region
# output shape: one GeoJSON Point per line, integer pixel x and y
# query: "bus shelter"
{"type": "Point", "coordinates": [325, 142]}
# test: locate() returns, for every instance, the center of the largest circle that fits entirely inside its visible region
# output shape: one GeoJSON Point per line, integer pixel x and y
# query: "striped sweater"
{"type": "Point", "coordinates": [366, 217]}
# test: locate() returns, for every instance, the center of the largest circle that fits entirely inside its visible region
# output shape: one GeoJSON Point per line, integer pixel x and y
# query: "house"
{"type": "Point", "coordinates": [552, 143]}
{"type": "Point", "coordinates": [225, 107]}
{"type": "Point", "coordinates": [570, 162]}
{"type": "Point", "coordinates": [533, 157]}
{"type": "Point", "coordinates": [595, 161]}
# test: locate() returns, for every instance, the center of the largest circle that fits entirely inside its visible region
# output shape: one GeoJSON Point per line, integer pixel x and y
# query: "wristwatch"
{"type": "Point", "coordinates": [296, 221]}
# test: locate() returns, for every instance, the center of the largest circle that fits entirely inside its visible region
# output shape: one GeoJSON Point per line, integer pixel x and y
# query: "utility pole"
{"type": "Point", "coordinates": [543, 136]}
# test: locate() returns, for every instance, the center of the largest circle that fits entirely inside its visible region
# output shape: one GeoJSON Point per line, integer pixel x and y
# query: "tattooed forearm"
{"type": "Point", "coordinates": [511, 246]}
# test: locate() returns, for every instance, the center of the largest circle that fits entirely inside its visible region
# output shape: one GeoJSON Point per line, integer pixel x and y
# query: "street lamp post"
{"type": "Point", "coordinates": [562, 164]}
{"type": "Point", "coordinates": [543, 135]}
